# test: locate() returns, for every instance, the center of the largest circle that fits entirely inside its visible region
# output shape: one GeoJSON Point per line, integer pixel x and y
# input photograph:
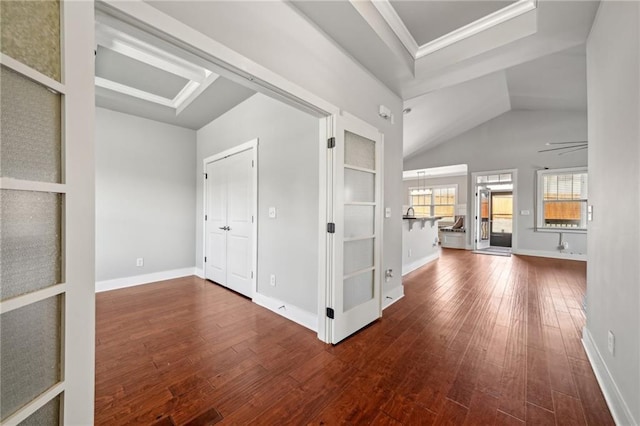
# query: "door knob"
{"type": "Point", "coordinates": [224, 228]}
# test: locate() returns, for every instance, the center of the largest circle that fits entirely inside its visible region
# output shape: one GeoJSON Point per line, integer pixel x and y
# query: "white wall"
{"type": "Point", "coordinates": [276, 36]}
{"type": "Point", "coordinates": [512, 141]}
{"type": "Point", "coordinates": [288, 170]}
{"type": "Point", "coordinates": [613, 267]}
{"type": "Point", "coordinates": [421, 242]}
{"type": "Point", "coordinates": [145, 196]}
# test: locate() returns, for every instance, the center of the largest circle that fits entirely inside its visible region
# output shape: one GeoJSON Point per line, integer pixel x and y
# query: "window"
{"type": "Point", "coordinates": [436, 201]}
{"type": "Point", "coordinates": [562, 199]}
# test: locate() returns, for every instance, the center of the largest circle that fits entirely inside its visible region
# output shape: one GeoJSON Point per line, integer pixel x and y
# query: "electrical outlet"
{"type": "Point", "coordinates": [272, 280]}
{"type": "Point", "coordinates": [140, 262]}
{"type": "Point", "coordinates": [611, 342]}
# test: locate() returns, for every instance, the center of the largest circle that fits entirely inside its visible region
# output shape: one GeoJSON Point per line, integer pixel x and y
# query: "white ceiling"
{"type": "Point", "coordinates": [532, 58]}
{"type": "Point", "coordinates": [457, 64]}
{"type": "Point", "coordinates": [142, 75]}
{"type": "Point", "coordinates": [428, 20]}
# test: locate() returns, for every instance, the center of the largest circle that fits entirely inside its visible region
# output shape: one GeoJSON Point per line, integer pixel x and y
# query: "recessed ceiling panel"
{"type": "Point", "coordinates": [429, 20]}
{"type": "Point", "coordinates": [139, 75]}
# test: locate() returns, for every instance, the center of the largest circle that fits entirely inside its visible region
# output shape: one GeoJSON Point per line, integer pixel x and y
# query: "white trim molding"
{"type": "Point", "coordinates": [551, 254]}
{"type": "Point", "coordinates": [199, 272]}
{"type": "Point", "coordinates": [392, 296]}
{"type": "Point", "coordinates": [617, 405]}
{"type": "Point", "coordinates": [418, 263]}
{"type": "Point", "coordinates": [392, 18]}
{"type": "Point", "coordinates": [135, 280]}
{"type": "Point", "coordinates": [287, 310]}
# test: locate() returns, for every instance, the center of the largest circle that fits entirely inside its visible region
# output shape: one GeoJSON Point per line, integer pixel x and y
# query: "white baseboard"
{"type": "Point", "coordinates": [199, 272]}
{"type": "Point", "coordinates": [287, 310]}
{"type": "Point", "coordinates": [410, 267]}
{"type": "Point", "coordinates": [551, 254]}
{"type": "Point", "coordinates": [617, 405]}
{"type": "Point", "coordinates": [392, 296]}
{"type": "Point", "coordinates": [142, 279]}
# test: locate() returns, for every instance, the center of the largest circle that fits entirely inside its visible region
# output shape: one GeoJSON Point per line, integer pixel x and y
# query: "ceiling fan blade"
{"type": "Point", "coordinates": [564, 147]}
{"type": "Point", "coordinates": [564, 143]}
{"type": "Point", "coordinates": [572, 150]}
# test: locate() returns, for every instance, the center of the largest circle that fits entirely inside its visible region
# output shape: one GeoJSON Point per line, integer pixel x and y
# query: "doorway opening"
{"type": "Point", "coordinates": [326, 203]}
{"type": "Point", "coordinates": [494, 218]}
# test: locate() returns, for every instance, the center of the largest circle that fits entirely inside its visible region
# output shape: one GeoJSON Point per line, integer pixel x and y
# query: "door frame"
{"type": "Point", "coordinates": [252, 146]}
{"type": "Point", "coordinates": [514, 181]}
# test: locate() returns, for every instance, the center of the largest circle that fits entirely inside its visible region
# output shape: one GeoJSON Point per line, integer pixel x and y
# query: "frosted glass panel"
{"type": "Point", "coordinates": [30, 241]}
{"type": "Point", "coordinates": [358, 255]}
{"type": "Point", "coordinates": [357, 290]}
{"type": "Point", "coordinates": [359, 221]}
{"type": "Point", "coordinates": [47, 415]}
{"type": "Point", "coordinates": [30, 33]}
{"type": "Point", "coordinates": [359, 186]}
{"type": "Point", "coordinates": [359, 151]}
{"type": "Point", "coordinates": [30, 128]}
{"type": "Point", "coordinates": [29, 353]}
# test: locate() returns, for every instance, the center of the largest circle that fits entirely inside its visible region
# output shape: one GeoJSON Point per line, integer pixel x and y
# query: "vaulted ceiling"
{"type": "Point", "coordinates": [458, 64]}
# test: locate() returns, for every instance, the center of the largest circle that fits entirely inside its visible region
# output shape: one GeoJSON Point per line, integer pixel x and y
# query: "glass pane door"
{"type": "Point", "coordinates": [483, 214]}
{"type": "Point", "coordinates": [360, 202]}
{"type": "Point", "coordinates": [354, 290]}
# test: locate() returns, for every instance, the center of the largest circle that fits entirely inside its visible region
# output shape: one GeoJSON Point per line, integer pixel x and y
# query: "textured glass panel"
{"type": "Point", "coordinates": [30, 33]}
{"type": "Point", "coordinates": [47, 415]}
{"type": "Point", "coordinates": [30, 128]}
{"type": "Point", "coordinates": [359, 186]}
{"type": "Point", "coordinates": [358, 255]}
{"type": "Point", "coordinates": [357, 290]}
{"type": "Point", "coordinates": [30, 235]}
{"type": "Point", "coordinates": [359, 151]}
{"type": "Point", "coordinates": [359, 221]}
{"type": "Point", "coordinates": [29, 353]}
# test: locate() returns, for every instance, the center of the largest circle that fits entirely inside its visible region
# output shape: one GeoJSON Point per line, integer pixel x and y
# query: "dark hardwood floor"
{"type": "Point", "coordinates": [477, 340]}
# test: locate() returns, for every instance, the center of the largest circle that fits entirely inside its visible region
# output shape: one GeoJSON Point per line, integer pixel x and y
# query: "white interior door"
{"type": "Point", "coordinates": [239, 222]}
{"type": "Point", "coordinates": [355, 294]}
{"type": "Point", "coordinates": [216, 222]}
{"type": "Point", "coordinates": [483, 218]}
{"type": "Point", "coordinates": [229, 221]}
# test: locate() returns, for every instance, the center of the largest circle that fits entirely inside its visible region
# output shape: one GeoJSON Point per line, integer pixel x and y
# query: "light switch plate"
{"type": "Point", "coordinates": [387, 212]}
{"type": "Point", "coordinates": [272, 212]}
{"type": "Point", "coordinates": [525, 212]}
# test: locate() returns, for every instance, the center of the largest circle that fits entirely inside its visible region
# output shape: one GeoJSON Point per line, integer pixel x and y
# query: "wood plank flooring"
{"type": "Point", "coordinates": [477, 340]}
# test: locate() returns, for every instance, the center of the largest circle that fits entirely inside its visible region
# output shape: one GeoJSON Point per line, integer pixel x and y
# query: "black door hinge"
{"type": "Point", "coordinates": [205, 217]}
{"type": "Point", "coordinates": [206, 176]}
{"type": "Point", "coordinates": [330, 313]}
{"type": "Point", "coordinates": [331, 142]}
{"type": "Point", "coordinates": [205, 259]}
{"type": "Point", "coordinates": [331, 228]}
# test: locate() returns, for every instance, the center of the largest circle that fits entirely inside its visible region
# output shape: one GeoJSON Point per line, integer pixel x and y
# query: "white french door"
{"type": "Point", "coordinates": [47, 219]}
{"type": "Point", "coordinates": [355, 228]}
{"type": "Point", "coordinates": [230, 202]}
